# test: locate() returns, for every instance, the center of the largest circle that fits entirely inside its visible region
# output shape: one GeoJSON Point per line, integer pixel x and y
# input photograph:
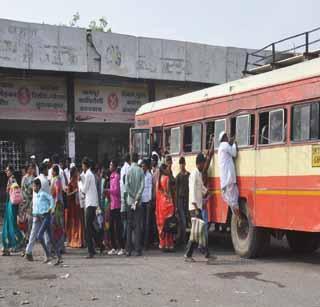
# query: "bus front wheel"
{"type": "Point", "coordinates": [303, 242]}
{"type": "Point", "coordinates": [248, 241]}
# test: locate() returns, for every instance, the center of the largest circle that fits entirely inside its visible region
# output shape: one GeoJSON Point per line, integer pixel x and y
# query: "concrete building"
{"type": "Point", "coordinates": [73, 92]}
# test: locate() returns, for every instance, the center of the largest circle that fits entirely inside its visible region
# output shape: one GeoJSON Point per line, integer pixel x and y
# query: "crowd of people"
{"type": "Point", "coordinates": [118, 210]}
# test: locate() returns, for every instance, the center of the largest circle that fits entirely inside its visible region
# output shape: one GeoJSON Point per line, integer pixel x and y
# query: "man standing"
{"type": "Point", "coordinates": [228, 180]}
{"type": "Point", "coordinates": [182, 191]}
{"type": "Point", "coordinates": [67, 169]}
{"type": "Point", "coordinates": [134, 189]}
{"type": "Point", "coordinates": [146, 203]}
{"type": "Point", "coordinates": [91, 203]}
{"type": "Point", "coordinates": [45, 186]}
{"type": "Point", "coordinates": [123, 174]}
{"type": "Point", "coordinates": [197, 192]}
{"type": "Point", "coordinates": [155, 176]}
{"type": "Point", "coordinates": [34, 162]}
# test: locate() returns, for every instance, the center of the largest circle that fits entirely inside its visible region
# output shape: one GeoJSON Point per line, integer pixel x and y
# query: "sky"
{"type": "Point", "coordinates": [239, 23]}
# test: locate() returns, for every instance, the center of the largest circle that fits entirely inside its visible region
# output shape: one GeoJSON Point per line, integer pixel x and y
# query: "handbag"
{"type": "Point", "coordinates": [171, 225]}
{"type": "Point", "coordinates": [197, 233]}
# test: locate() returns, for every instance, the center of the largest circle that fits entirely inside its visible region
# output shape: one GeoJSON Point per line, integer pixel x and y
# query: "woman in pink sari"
{"type": "Point", "coordinates": [164, 208]}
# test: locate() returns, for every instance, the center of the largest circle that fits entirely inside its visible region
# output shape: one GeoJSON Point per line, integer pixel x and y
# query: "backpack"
{"type": "Point", "coordinates": [16, 197]}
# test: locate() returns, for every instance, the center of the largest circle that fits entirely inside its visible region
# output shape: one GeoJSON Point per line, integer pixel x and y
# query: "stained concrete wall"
{"type": "Point", "coordinates": [160, 59]}
{"type": "Point", "coordinates": [42, 47]}
{"type": "Point", "coordinates": [58, 48]}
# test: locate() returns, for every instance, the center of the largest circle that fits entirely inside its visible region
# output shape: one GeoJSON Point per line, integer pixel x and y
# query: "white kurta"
{"type": "Point", "coordinates": [197, 190]}
{"type": "Point", "coordinates": [226, 153]}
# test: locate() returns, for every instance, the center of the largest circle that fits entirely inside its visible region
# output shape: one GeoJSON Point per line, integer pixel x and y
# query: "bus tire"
{"type": "Point", "coordinates": [303, 242]}
{"type": "Point", "coordinates": [248, 240]}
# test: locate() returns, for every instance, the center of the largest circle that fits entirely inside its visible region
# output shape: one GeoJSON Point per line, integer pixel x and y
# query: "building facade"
{"type": "Point", "coordinates": [74, 92]}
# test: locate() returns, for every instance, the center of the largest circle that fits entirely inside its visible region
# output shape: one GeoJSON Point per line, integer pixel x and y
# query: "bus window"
{"type": "Point", "coordinates": [305, 122]}
{"type": "Point", "coordinates": [172, 140]}
{"type": "Point", "coordinates": [314, 121]}
{"type": "Point", "coordinates": [175, 141]}
{"type": "Point", "coordinates": [167, 137]}
{"type": "Point", "coordinates": [192, 138]}
{"type": "Point", "coordinates": [243, 130]}
{"type": "Point", "coordinates": [264, 128]}
{"type": "Point", "coordinates": [157, 139]}
{"type": "Point", "coordinates": [220, 125]}
{"type": "Point", "coordinates": [276, 126]}
{"type": "Point", "coordinates": [272, 127]}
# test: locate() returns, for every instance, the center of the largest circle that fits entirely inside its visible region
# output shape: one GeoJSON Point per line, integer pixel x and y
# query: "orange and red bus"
{"type": "Point", "coordinates": [275, 118]}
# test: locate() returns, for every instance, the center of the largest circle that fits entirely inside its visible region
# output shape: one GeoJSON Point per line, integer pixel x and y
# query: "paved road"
{"type": "Point", "coordinates": [157, 279]}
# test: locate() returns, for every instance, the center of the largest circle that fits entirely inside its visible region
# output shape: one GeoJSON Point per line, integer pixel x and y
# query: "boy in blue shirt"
{"type": "Point", "coordinates": [43, 206]}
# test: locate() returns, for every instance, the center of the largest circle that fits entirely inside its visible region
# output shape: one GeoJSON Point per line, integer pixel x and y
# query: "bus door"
{"type": "Point", "coordinates": [140, 142]}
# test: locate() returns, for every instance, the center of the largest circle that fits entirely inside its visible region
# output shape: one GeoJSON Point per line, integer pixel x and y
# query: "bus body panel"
{"type": "Point", "coordinates": [279, 182]}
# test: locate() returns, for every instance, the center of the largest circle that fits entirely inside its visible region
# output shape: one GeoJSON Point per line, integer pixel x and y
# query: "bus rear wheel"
{"type": "Point", "coordinates": [248, 241]}
{"type": "Point", "coordinates": [303, 242]}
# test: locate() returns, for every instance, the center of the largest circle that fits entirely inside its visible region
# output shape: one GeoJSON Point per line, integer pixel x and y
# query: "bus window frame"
{"type": "Point", "coordinates": [182, 138]}
{"type": "Point", "coordinates": [283, 125]}
{"type": "Point", "coordinates": [152, 129]}
{"type": "Point", "coordinates": [164, 139]}
{"type": "Point", "coordinates": [249, 134]}
{"type": "Point", "coordinates": [301, 142]}
{"type": "Point", "coordinates": [287, 132]}
{"type": "Point", "coordinates": [204, 130]}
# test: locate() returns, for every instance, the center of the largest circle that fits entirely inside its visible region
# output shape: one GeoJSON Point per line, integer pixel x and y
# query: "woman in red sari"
{"type": "Point", "coordinates": [164, 208]}
{"type": "Point", "coordinates": [75, 223]}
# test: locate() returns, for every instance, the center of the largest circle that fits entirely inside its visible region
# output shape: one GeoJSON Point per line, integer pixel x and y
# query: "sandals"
{"type": "Point", "coordinates": [58, 262]}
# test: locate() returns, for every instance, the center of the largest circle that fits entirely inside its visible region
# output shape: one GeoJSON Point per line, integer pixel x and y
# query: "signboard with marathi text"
{"type": "Point", "coordinates": [315, 155]}
{"type": "Point", "coordinates": [98, 102]}
{"type": "Point", "coordinates": [33, 99]}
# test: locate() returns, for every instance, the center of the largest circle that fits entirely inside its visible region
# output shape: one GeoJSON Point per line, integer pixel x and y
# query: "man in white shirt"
{"type": "Point", "coordinates": [34, 162]}
{"type": "Point", "coordinates": [197, 192]}
{"type": "Point", "coordinates": [146, 202]}
{"type": "Point", "coordinates": [123, 174]}
{"type": "Point", "coordinates": [67, 169]}
{"type": "Point", "coordinates": [91, 203]}
{"type": "Point", "coordinates": [228, 179]}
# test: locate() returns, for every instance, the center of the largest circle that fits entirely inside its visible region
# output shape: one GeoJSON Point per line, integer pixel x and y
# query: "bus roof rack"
{"type": "Point", "coordinates": [285, 52]}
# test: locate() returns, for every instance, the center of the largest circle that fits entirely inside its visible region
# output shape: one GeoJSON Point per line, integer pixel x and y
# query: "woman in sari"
{"type": "Point", "coordinates": [25, 211]}
{"type": "Point", "coordinates": [164, 208]}
{"type": "Point", "coordinates": [57, 218]}
{"type": "Point", "coordinates": [75, 223]}
{"type": "Point", "coordinates": [11, 236]}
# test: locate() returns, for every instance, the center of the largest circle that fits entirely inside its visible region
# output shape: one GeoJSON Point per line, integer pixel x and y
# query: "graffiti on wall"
{"type": "Point", "coordinates": [33, 46]}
